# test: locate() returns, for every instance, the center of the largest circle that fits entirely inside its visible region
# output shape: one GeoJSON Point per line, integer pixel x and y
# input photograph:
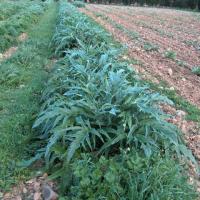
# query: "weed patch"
{"type": "Point", "coordinates": [12, 27]}
{"type": "Point", "coordinates": [196, 70]}
{"type": "Point", "coordinates": [150, 47]}
{"type": "Point", "coordinates": [170, 54]}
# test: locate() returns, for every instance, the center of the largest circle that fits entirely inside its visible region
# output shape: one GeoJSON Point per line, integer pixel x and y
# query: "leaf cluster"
{"type": "Point", "coordinates": [128, 176]}
{"type": "Point", "coordinates": [94, 103]}
{"type": "Point", "coordinates": [196, 70]}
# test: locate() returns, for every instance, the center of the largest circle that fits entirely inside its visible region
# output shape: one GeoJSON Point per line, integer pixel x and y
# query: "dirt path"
{"type": "Point", "coordinates": [154, 63]}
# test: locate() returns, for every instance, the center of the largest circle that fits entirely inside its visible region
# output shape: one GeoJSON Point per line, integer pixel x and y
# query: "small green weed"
{"type": "Point", "coordinates": [150, 47]}
{"type": "Point", "coordinates": [182, 63]}
{"type": "Point", "coordinates": [196, 70]}
{"type": "Point", "coordinates": [127, 176]}
{"type": "Point", "coordinates": [170, 54]}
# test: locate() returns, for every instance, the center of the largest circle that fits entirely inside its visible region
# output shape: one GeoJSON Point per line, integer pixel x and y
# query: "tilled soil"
{"type": "Point", "coordinates": [171, 31]}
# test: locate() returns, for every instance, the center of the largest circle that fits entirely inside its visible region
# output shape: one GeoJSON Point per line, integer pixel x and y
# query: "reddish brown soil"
{"type": "Point", "coordinates": [154, 63]}
{"type": "Point", "coordinates": [157, 33]}
{"type": "Point", "coordinates": [148, 34]}
{"type": "Point", "coordinates": [31, 189]}
{"type": "Point", "coordinates": [183, 23]}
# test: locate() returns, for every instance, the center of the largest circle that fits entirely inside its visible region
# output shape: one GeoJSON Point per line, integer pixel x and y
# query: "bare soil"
{"type": "Point", "coordinates": [31, 189]}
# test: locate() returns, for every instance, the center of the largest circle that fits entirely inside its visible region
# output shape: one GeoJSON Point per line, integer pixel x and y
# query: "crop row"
{"type": "Point", "coordinates": [11, 27]}
{"type": "Point", "coordinates": [101, 130]}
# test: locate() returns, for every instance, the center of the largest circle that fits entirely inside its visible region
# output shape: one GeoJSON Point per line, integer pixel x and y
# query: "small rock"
{"type": "Point", "coordinates": [1, 56]}
{"type": "Point", "coordinates": [183, 79]}
{"type": "Point", "coordinates": [1, 195]}
{"type": "Point", "coordinates": [143, 76]}
{"type": "Point", "coordinates": [184, 126]}
{"type": "Point", "coordinates": [37, 196]}
{"type": "Point", "coordinates": [25, 190]}
{"type": "Point", "coordinates": [180, 113]}
{"type": "Point", "coordinates": [49, 194]}
{"type": "Point", "coordinates": [171, 88]}
{"type": "Point", "coordinates": [22, 86]}
{"type": "Point", "coordinates": [37, 186]}
{"type": "Point", "coordinates": [125, 57]}
{"type": "Point", "coordinates": [39, 173]}
{"type": "Point", "coordinates": [22, 37]}
{"type": "Point", "coordinates": [170, 72]}
{"type": "Point", "coordinates": [45, 175]}
{"type": "Point", "coordinates": [18, 198]}
{"type": "Point", "coordinates": [31, 181]}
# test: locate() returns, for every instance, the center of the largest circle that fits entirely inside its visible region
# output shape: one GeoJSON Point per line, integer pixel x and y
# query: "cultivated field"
{"type": "Point", "coordinates": [164, 43]}
{"type": "Point", "coordinates": [98, 106]}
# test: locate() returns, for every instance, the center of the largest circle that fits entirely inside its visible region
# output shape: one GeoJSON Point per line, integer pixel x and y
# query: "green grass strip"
{"type": "Point", "coordinates": [21, 81]}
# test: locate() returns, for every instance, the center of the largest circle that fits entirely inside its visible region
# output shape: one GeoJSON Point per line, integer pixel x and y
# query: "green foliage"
{"type": "Point", "coordinates": [10, 8]}
{"type": "Point", "coordinates": [150, 47]}
{"type": "Point", "coordinates": [79, 4]}
{"type": "Point", "coordinates": [18, 23]}
{"type": "Point", "coordinates": [93, 103]}
{"type": "Point", "coordinates": [70, 30]}
{"type": "Point", "coordinates": [196, 70]}
{"type": "Point", "coordinates": [170, 54]}
{"type": "Point", "coordinates": [21, 81]}
{"type": "Point", "coordinates": [185, 3]}
{"type": "Point", "coordinates": [127, 176]}
{"type": "Point", "coordinates": [101, 111]}
{"type": "Point", "coordinates": [181, 63]}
